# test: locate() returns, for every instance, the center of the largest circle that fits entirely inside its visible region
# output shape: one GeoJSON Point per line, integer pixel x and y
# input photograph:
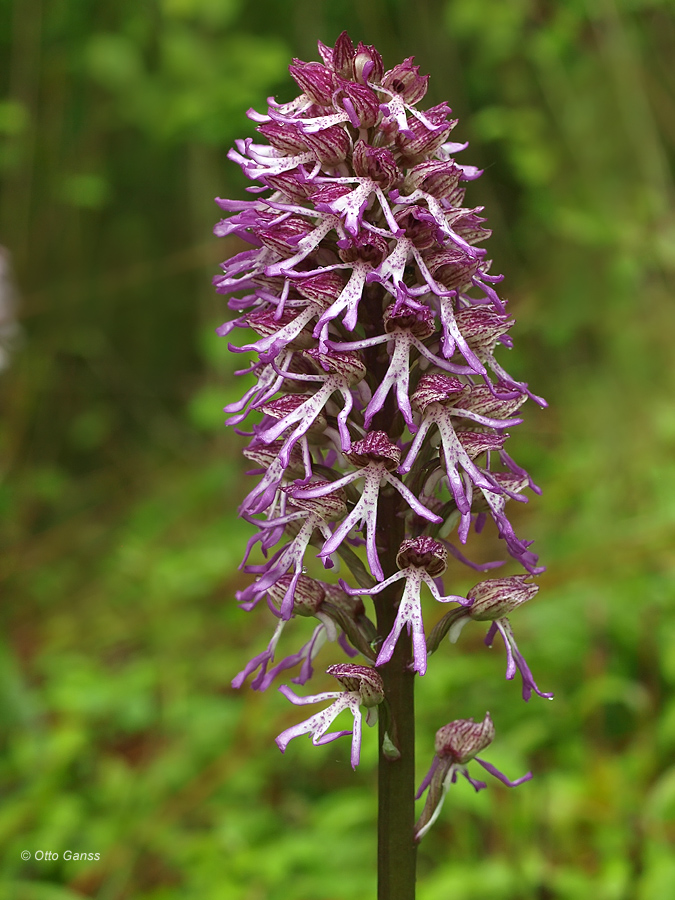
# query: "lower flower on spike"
{"type": "Point", "coordinates": [490, 601]}
{"type": "Point", "coordinates": [420, 560]}
{"type": "Point", "coordinates": [363, 687]}
{"type": "Point", "coordinates": [456, 744]}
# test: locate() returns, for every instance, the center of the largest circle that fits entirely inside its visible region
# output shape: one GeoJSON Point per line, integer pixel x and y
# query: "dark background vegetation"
{"type": "Point", "coordinates": [120, 633]}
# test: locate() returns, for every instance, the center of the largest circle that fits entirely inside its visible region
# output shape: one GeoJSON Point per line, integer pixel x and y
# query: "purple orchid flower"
{"type": "Point", "coordinates": [420, 560]}
{"type": "Point", "coordinates": [363, 687]}
{"type": "Point", "coordinates": [456, 744]}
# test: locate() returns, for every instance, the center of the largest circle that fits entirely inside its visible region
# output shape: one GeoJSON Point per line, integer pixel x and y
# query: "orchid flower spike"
{"type": "Point", "coordinates": [378, 402]}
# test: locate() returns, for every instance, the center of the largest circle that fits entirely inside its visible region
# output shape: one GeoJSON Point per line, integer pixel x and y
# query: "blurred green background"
{"type": "Point", "coordinates": [120, 634]}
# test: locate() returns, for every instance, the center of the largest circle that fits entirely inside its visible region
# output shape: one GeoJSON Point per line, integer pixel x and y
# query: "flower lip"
{"type": "Point", "coordinates": [423, 553]}
{"type": "Point", "coordinates": [376, 446]}
{"type": "Point", "coordinates": [462, 739]}
{"type": "Point", "coordinates": [497, 597]}
{"type": "Point", "coordinates": [360, 679]}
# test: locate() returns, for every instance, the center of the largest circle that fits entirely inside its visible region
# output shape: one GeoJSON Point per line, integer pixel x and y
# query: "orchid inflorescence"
{"type": "Point", "coordinates": [375, 322]}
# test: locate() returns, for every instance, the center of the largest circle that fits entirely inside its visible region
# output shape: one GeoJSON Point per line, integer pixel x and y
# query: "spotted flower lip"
{"type": "Point", "coordinates": [363, 687]}
{"type": "Point", "coordinates": [420, 560]}
{"type": "Point", "coordinates": [376, 455]}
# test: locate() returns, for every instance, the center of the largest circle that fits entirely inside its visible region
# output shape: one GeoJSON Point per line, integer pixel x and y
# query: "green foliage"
{"type": "Point", "coordinates": [120, 634]}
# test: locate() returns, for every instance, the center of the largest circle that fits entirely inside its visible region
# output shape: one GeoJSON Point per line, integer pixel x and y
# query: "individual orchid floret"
{"type": "Point", "coordinates": [457, 744]}
{"type": "Point", "coordinates": [437, 398]}
{"type": "Point", "coordinates": [363, 686]}
{"type": "Point", "coordinates": [509, 485]}
{"type": "Point", "coordinates": [420, 559]}
{"type": "Point", "coordinates": [313, 514]}
{"type": "Point", "coordinates": [405, 87]}
{"type": "Point", "coordinates": [491, 601]}
{"type": "Point", "coordinates": [338, 614]}
{"type": "Point", "coordinates": [483, 328]}
{"type": "Point", "coordinates": [376, 456]}
{"type": "Point", "coordinates": [341, 372]}
{"type": "Point", "coordinates": [405, 328]}
{"type": "Point", "coordinates": [363, 254]}
{"type": "Point", "coordinates": [376, 172]}
{"type": "Point", "coordinates": [308, 598]}
{"type": "Point", "coordinates": [276, 474]}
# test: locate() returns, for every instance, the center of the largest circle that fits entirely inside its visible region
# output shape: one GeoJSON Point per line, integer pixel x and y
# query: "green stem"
{"type": "Point", "coordinates": [396, 854]}
{"type": "Point", "coordinates": [396, 847]}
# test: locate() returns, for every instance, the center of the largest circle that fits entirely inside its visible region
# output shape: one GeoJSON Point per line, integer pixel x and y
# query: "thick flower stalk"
{"type": "Point", "coordinates": [380, 405]}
